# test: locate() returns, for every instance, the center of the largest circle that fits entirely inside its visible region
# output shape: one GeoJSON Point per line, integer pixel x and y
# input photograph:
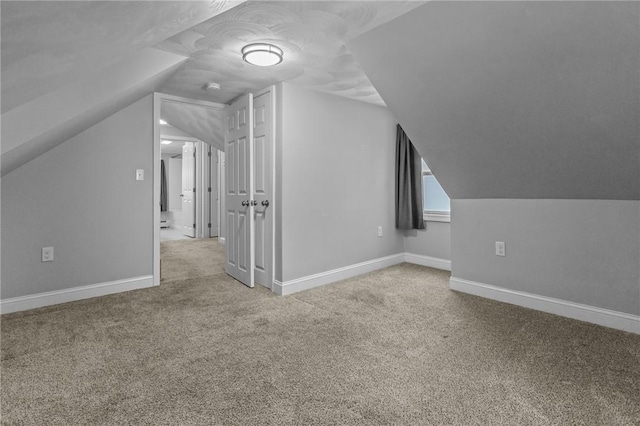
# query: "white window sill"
{"type": "Point", "coordinates": [432, 217]}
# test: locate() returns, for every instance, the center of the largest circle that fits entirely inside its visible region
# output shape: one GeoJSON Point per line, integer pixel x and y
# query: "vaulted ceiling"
{"type": "Point", "coordinates": [49, 44]}
{"type": "Point", "coordinates": [312, 35]}
{"type": "Point", "coordinates": [516, 99]}
{"type": "Point", "coordinates": [505, 99]}
{"type": "Point", "coordinates": [66, 64]}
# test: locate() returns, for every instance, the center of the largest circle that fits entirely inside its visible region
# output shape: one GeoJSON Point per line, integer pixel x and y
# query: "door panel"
{"type": "Point", "coordinates": [213, 193]}
{"type": "Point", "coordinates": [231, 242]}
{"type": "Point", "coordinates": [242, 173]}
{"type": "Point", "coordinates": [261, 266]}
{"type": "Point", "coordinates": [262, 189]}
{"type": "Point", "coordinates": [239, 238]}
{"type": "Point", "coordinates": [189, 189]}
{"type": "Point", "coordinates": [259, 166]}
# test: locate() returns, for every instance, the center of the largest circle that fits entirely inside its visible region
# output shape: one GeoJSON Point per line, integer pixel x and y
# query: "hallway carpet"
{"type": "Point", "coordinates": [394, 346]}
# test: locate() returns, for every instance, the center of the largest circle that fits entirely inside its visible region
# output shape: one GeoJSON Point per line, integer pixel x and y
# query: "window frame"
{"type": "Point", "coordinates": [434, 215]}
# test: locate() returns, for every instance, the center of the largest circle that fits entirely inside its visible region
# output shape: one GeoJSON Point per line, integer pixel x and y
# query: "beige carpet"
{"type": "Point", "coordinates": [189, 259]}
{"type": "Point", "coordinates": [391, 347]}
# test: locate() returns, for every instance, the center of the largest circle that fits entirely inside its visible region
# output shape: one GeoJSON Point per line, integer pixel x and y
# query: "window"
{"type": "Point", "coordinates": [436, 202]}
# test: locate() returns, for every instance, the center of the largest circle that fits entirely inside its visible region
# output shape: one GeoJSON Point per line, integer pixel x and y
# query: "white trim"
{"type": "Point", "coordinates": [157, 154]}
{"type": "Point", "coordinates": [600, 316]}
{"type": "Point", "coordinates": [323, 278]}
{"type": "Point", "coordinates": [39, 300]}
{"type": "Point", "coordinates": [222, 240]}
{"type": "Point", "coordinates": [179, 139]}
{"type": "Point", "coordinates": [437, 217]}
{"type": "Point", "coordinates": [182, 100]}
{"type": "Point", "coordinates": [432, 262]}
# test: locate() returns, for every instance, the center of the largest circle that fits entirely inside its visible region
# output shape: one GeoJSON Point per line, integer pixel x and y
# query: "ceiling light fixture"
{"type": "Point", "coordinates": [164, 142]}
{"type": "Point", "coordinates": [262, 54]}
{"type": "Point", "coordinates": [162, 122]}
{"type": "Point", "coordinates": [213, 86]}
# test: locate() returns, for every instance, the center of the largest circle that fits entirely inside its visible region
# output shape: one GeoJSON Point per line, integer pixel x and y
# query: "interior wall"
{"type": "Point", "coordinates": [336, 182]}
{"type": "Point", "coordinates": [583, 251]}
{"type": "Point", "coordinates": [98, 218]}
{"type": "Point", "coordinates": [435, 241]}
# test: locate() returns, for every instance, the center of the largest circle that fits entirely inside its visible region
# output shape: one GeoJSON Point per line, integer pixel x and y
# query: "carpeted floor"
{"type": "Point", "coordinates": [391, 347]}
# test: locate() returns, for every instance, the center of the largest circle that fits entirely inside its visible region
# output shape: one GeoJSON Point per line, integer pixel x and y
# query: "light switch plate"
{"type": "Point", "coordinates": [140, 174]}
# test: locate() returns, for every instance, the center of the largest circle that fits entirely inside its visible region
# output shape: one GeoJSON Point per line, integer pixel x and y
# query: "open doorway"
{"type": "Point", "coordinates": [177, 191]}
{"type": "Point", "coordinates": [186, 187]}
{"type": "Point", "coordinates": [212, 124]}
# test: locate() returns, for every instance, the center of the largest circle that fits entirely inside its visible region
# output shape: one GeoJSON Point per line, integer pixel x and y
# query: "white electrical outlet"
{"type": "Point", "coordinates": [139, 174]}
{"type": "Point", "coordinates": [501, 249]}
{"type": "Point", "coordinates": [379, 231]}
{"type": "Point", "coordinates": [47, 254]}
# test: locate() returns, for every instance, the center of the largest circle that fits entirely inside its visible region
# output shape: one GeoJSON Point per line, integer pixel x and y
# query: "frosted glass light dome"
{"type": "Point", "coordinates": [262, 54]}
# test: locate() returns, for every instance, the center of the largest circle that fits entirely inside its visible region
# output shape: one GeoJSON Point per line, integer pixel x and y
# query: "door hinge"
{"type": "Point", "coordinates": [209, 153]}
{"type": "Point", "coordinates": [194, 154]}
{"type": "Point", "coordinates": [209, 189]}
{"type": "Point", "coordinates": [194, 190]}
{"type": "Point", "coordinates": [194, 226]}
{"type": "Point", "coordinates": [209, 225]}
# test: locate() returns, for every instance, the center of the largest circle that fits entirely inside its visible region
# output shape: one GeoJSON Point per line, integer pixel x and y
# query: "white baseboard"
{"type": "Point", "coordinates": [432, 262]}
{"type": "Point", "coordinates": [39, 300]}
{"type": "Point", "coordinates": [316, 280]}
{"type": "Point", "coordinates": [604, 317]}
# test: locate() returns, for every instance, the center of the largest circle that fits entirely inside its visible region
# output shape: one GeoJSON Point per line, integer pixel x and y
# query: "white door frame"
{"type": "Point", "coordinates": [158, 98]}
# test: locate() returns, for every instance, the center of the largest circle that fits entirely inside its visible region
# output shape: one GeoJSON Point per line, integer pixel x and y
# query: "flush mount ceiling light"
{"type": "Point", "coordinates": [166, 142]}
{"type": "Point", "coordinates": [164, 123]}
{"type": "Point", "coordinates": [262, 54]}
{"type": "Point", "coordinates": [213, 86]}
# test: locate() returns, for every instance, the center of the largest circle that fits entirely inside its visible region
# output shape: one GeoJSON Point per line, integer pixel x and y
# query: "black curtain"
{"type": "Point", "coordinates": [409, 207]}
{"type": "Point", "coordinates": [163, 188]}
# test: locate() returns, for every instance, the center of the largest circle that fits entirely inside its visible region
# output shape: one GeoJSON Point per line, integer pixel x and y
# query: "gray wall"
{"type": "Point", "coordinates": [435, 241]}
{"type": "Point", "coordinates": [82, 198]}
{"type": "Point", "coordinates": [516, 99]}
{"type": "Point", "coordinates": [336, 183]}
{"type": "Point", "coordinates": [583, 251]}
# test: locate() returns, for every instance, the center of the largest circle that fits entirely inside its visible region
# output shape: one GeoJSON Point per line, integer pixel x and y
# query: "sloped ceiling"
{"type": "Point", "coordinates": [312, 35]}
{"type": "Point", "coordinates": [49, 44]}
{"type": "Point", "coordinates": [516, 99]}
{"type": "Point", "coordinates": [59, 48]}
{"type": "Point", "coordinates": [206, 124]}
{"type": "Point", "coordinates": [67, 65]}
{"type": "Point", "coordinates": [45, 122]}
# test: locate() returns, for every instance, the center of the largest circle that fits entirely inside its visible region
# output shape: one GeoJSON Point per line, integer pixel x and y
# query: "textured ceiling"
{"type": "Point", "coordinates": [311, 34]}
{"type": "Point", "coordinates": [50, 44]}
{"type": "Point", "coordinates": [206, 124]}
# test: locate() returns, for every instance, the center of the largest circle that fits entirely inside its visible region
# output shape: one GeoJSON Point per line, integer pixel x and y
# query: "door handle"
{"type": "Point", "coordinates": [254, 203]}
{"type": "Point", "coordinates": [245, 203]}
{"type": "Point", "coordinates": [265, 203]}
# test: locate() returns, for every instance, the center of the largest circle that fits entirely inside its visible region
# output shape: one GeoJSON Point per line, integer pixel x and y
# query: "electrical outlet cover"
{"type": "Point", "coordinates": [47, 254]}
